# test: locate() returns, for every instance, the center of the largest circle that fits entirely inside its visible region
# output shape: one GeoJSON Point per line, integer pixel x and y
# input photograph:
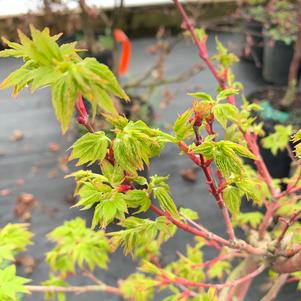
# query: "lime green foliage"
{"type": "Point", "coordinates": [191, 214]}
{"type": "Point", "coordinates": [182, 126]}
{"type": "Point", "coordinates": [201, 96]}
{"type": "Point", "coordinates": [138, 199]}
{"type": "Point", "coordinates": [219, 269]}
{"type": "Point", "coordinates": [55, 281]}
{"type": "Point", "coordinates": [60, 67]}
{"type": "Point", "coordinates": [135, 144]}
{"type": "Point", "coordinates": [11, 285]}
{"type": "Point", "coordinates": [187, 265]}
{"type": "Point", "coordinates": [226, 59]}
{"type": "Point", "coordinates": [77, 245]}
{"type": "Point", "coordinates": [89, 148]}
{"type": "Point", "coordinates": [251, 218]}
{"type": "Point", "coordinates": [14, 238]}
{"type": "Point", "coordinates": [232, 199]}
{"type": "Point", "coordinates": [138, 287]}
{"type": "Point", "coordinates": [225, 112]}
{"type": "Point", "coordinates": [279, 139]}
{"type": "Point", "coordinates": [226, 155]}
{"type": "Point", "coordinates": [161, 192]}
{"type": "Point", "coordinates": [139, 232]}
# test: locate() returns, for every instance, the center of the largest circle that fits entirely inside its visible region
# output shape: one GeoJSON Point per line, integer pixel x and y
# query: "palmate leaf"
{"type": "Point", "coordinates": [114, 173]}
{"type": "Point", "coordinates": [77, 245]}
{"type": "Point", "coordinates": [135, 144]}
{"type": "Point", "coordinates": [182, 126]}
{"type": "Point", "coordinates": [225, 112]}
{"type": "Point", "coordinates": [48, 64]}
{"type": "Point", "coordinates": [139, 232]}
{"type": "Point", "coordinates": [138, 199]}
{"type": "Point", "coordinates": [63, 100]}
{"type": "Point", "coordinates": [232, 199]}
{"type": "Point", "coordinates": [11, 285]}
{"type": "Point", "coordinates": [161, 192]}
{"type": "Point", "coordinates": [90, 148]}
{"type": "Point", "coordinates": [14, 238]}
{"type": "Point", "coordinates": [114, 206]}
{"type": "Point", "coordinates": [226, 155]}
{"type": "Point", "coordinates": [91, 194]}
{"type": "Point", "coordinates": [138, 287]}
{"type": "Point", "coordinates": [279, 139]}
{"type": "Point", "coordinates": [252, 218]}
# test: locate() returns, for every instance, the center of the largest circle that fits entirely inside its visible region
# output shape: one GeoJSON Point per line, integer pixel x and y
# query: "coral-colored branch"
{"type": "Point", "coordinates": [217, 259]}
{"type": "Point", "coordinates": [287, 224]}
{"type": "Point", "coordinates": [251, 139]}
{"type": "Point", "coordinates": [234, 283]}
{"type": "Point", "coordinates": [73, 289]}
{"type": "Point", "coordinates": [203, 52]}
{"type": "Point", "coordinates": [199, 161]}
{"type": "Point", "coordinates": [237, 245]}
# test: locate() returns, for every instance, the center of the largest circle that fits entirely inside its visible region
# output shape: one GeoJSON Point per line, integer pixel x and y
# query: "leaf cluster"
{"type": "Point", "coordinates": [77, 245]}
{"type": "Point", "coordinates": [14, 238]}
{"type": "Point", "coordinates": [60, 67]}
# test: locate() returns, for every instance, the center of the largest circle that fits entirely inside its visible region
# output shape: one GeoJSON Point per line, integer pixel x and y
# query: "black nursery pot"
{"type": "Point", "coordinates": [276, 61]}
{"type": "Point", "coordinates": [254, 29]}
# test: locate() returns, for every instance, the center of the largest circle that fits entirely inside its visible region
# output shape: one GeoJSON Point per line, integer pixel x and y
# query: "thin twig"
{"type": "Point", "coordinates": [73, 289]}
{"type": "Point", "coordinates": [234, 283]}
{"type": "Point", "coordinates": [237, 245]}
{"type": "Point", "coordinates": [274, 290]}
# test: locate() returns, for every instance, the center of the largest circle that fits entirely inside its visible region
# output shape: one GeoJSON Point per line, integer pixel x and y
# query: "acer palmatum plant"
{"type": "Point", "coordinates": [272, 240]}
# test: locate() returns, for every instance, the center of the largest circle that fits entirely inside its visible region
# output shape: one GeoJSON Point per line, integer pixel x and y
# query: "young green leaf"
{"type": "Point", "coordinates": [14, 238]}
{"type": "Point", "coordinates": [139, 232]}
{"type": "Point", "coordinates": [90, 148]}
{"type": "Point", "coordinates": [279, 139]}
{"type": "Point", "coordinates": [161, 192]}
{"type": "Point", "coordinates": [114, 173]}
{"type": "Point", "coordinates": [75, 244]}
{"type": "Point", "coordinates": [111, 207]}
{"type": "Point", "coordinates": [182, 126]}
{"type": "Point", "coordinates": [201, 95]}
{"type": "Point", "coordinates": [138, 287]}
{"type": "Point", "coordinates": [226, 93]}
{"type": "Point", "coordinates": [138, 199]}
{"type": "Point", "coordinates": [232, 199]}
{"type": "Point", "coordinates": [224, 112]}
{"type": "Point", "coordinates": [11, 285]}
{"type": "Point", "coordinates": [191, 214]}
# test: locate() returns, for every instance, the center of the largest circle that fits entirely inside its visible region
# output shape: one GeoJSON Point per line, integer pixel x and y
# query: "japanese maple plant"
{"type": "Point", "coordinates": [272, 240]}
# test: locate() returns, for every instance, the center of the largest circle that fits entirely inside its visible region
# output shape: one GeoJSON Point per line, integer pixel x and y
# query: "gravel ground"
{"type": "Point", "coordinates": [31, 165]}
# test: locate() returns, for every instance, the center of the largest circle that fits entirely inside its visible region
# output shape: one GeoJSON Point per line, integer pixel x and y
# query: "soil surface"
{"type": "Point", "coordinates": [33, 161]}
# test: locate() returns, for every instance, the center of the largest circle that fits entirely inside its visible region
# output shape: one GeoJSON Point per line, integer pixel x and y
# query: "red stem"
{"type": "Point", "coordinates": [212, 187]}
{"type": "Point", "coordinates": [203, 52]}
{"type": "Point", "coordinates": [240, 245]}
{"type": "Point", "coordinates": [234, 283]}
